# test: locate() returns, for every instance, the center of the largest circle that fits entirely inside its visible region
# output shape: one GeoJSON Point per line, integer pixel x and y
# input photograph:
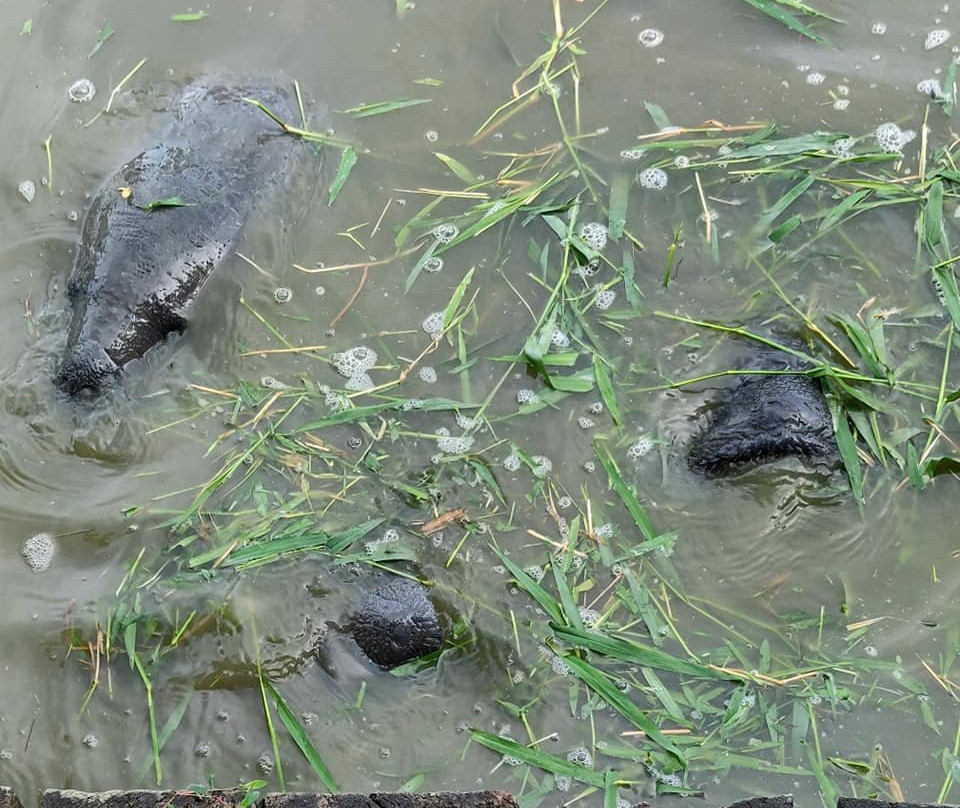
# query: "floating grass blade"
{"type": "Point", "coordinates": [300, 738]}
{"type": "Point", "coordinates": [382, 107]}
{"type": "Point", "coordinates": [600, 684]}
{"type": "Point", "coordinates": [635, 654]}
{"type": "Point", "coordinates": [348, 159]}
{"type": "Point", "coordinates": [534, 757]}
{"type": "Point", "coordinates": [774, 9]}
{"type": "Point", "coordinates": [151, 715]}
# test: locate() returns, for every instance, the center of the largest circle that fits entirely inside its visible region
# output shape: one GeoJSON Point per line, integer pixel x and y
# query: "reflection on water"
{"type": "Point", "coordinates": [781, 552]}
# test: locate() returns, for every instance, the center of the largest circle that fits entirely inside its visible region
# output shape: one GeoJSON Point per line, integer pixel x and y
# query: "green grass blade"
{"type": "Point", "coordinates": [848, 449]}
{"type": "Point", "coordinates": [547, 602]}
{"type": "Point", "coordinates": [382, 107]}
{"type": "Point", "coordinates": [348, 159]}
{"type": "Point", "coordinates": [605, 385]}
{"type": "Point", "coordinates": [463, 173]}
{"type": "Point", "coordinates": [774, 10]}
{"type": "Point", "coordinates": [299, 736]}
{"type": "Point", "coordinates": [600, 684]}
{"type": "Point", "coordinates": [625, 493]}
{"type": "Point", "coordinates": [635, 654]}
{"type": "Point", "coordinates": [619, 200]}
{"type": "Point", "coordinates": [534, 757]}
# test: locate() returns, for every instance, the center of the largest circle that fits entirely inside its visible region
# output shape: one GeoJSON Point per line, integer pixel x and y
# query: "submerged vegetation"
{"type": "Point", "coordinates": [665, 690]}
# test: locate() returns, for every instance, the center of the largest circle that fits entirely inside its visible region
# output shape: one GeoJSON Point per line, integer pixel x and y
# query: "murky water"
{"type": "Point", "coordinates": [757, 552]}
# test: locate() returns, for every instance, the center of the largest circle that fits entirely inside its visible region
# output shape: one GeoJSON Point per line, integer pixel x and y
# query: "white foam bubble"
{"type": "Point", "coordinates": [81, 91]}
{"type": "Point", "coordinates": [815, 78]}
{"type": "Point", "coordinates": [39, 551]}
{"type": "Point", "coordinates": [936, 38]}
{"type": "Point", "coordinates": [433, 264]}
{"type": "Point", "coordinates": [445, 233]}
{"type": "Point", "coordinates": [654, 179]}
{"type": "Point", "coordinates": [650, 37]}
{"type": "Point", "coordinates": [27, 190]}
{"type": "Point", "coordinates": [428, 375]}
{"type": "Point", "coordinates": [433, 324]}
{"type": "Point", "coordinates": [878, 28]}
{"type": "Point", "coordinates": [594, 234]}
{"type": "Point", "coordinates": [605, 299]}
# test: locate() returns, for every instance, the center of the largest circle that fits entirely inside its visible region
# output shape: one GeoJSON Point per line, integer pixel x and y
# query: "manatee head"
{"type": "Point", "coordinates": [396, 623]}
{"type": "Point", "coordinates": [86, 370]}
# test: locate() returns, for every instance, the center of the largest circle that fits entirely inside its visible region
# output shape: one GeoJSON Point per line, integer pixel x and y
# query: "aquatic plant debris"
{"type": "Point", "coordinates": [557, 327]}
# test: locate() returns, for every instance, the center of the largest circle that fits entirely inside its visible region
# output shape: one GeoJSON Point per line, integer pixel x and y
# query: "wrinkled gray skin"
{"type": "Point", "coordinates": [765, 418]}
{"type": "Point", "coordinates": [136, 271]}
{"type": "Point", "coordinates": [396, 623]}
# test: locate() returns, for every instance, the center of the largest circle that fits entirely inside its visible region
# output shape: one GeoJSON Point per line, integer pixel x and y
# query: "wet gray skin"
{"type": "Point", "coordinates": [136, 271]}
{"type": "Point", "coordinates": [765, 418]}
{"type": "Point", "coordinates": [396, 623]}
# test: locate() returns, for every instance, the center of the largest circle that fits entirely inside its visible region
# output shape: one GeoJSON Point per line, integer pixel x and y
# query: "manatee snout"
{"type": "Point", "coordinates": [86, 370]}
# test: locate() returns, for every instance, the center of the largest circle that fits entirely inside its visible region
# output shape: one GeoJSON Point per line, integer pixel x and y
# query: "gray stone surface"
{"type": "Point", "coordinates": [783, 801]}
{"type": "Point", "coordinates": [232, 797]}
{"type": "Point", "coordinates": [856, 802]}
{"type": "Point", "coordinates": [8, 799]}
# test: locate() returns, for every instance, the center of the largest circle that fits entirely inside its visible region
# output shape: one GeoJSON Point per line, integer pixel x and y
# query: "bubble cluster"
{"type": "Point", "coordinates": [542, 465]}
{"type": "Point", "coordinates": [650, 37]}
{"type": "Point", "coordinates": [561, 782]}
{"type": "Point", "coordinates": [535, 572]}
{"type": "Point", "coordinates": [936, 38]}
{"type": "Point", "coordinates": [589, 617]}
{"type": "Point", "coordinates": [559, 666]}
{"type": "Point", "coordinates": [641, 448]}
{"type": "Point", "coordinates": [585, 423]}
{"type": "Point", "coordinates": [596, 408]}
{"type": "Point", "coordinates": [527, 396]}
{"type": "Point", "coordinates": [681, 161]}
{"type": "Point", "coordinates": [670, 779]}
{"type": "Point", "coordinates": [871, 650]}
{"type": "Point", "coordinates": [631, 154]}
{"type": "Point", "coordinates": [840, 104]}
{"type": "Point", "coordinates": [355, 360]}
{"type": "Point", "coordinates": [654, 179]}
{"type": "Point", "coordinates": [90, 741]}
{"type": "Point", "coordinates": [843, 147]}
{"type": "Point", "coordinates": [595, 235]}
{"type": "Point", "coordinates": [433, 324]}
{"type": "Point", "coordinates": [510, 760]}
{"type": "Point", "coordinates": [588, 270]}
{"type": "Point", "coordinates": [433, 264]}
{"type": "Point", "coordinates": [605, 299]}
{"type": "Point", "coordinates": [930, 87]}
{"type": "Point", "coordinates": [283, 294]}
{"type": "Point", "coordinates": [564, 502]}
{"type": "Point", "coordinates": [428, 374]}
{"type": "Point", "coordinates": [431, 135]}
{"type": "Point", "coordinates": [559, 340]}
{"type": "Point", "coordinates": [6, 754]}
{"type": "Point", "coordinates": [39, 551]}
{"type": "Point", "coordinates": [891, 138]}
{"type": "Point", "coordinates": [580, 757]}
{"type": "Point", "coordinates": [512, 462]}
{"type": "Point", "coordinates": [445, 233]}
{"type": "Point", "coordinates": [878, 28]}
{"type": "Point", "coordinates": [265, 763]}
{"type": "Point", "coordinates": [81, 91]}
{"type": "Point", "coordinates": [27, 190]}
{"type": "Point", "coordinates": [448, 444]}
{"type": "Point", "coordinates": [334, 400]}
{"type": "Point", "coordinates": [466, 423]}
{"type": "Point", "coordinates": [604, 531]}
{"type": "Point", "coordinates": [272, 383]}
{"type": "Point", "coordinates": [815, 78]}
{"type": "Point", "coordinates": [202, 750]}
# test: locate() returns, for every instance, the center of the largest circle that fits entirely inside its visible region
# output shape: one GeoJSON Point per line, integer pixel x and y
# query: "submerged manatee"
{"type": "Point", "coordinates": [396, 623]}
{"type": "Point", "coordinates": [765, 418]}
{"type": "Point", "coordinates": [139, 265]}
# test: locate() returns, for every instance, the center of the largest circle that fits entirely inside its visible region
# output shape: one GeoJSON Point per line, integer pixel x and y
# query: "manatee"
{"type": "Point", "coordinates": [139, 265]}
{"type": "Point", "coordinates": [764, 418]}
{"type": "Point", "coordinates": [396, 623]}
